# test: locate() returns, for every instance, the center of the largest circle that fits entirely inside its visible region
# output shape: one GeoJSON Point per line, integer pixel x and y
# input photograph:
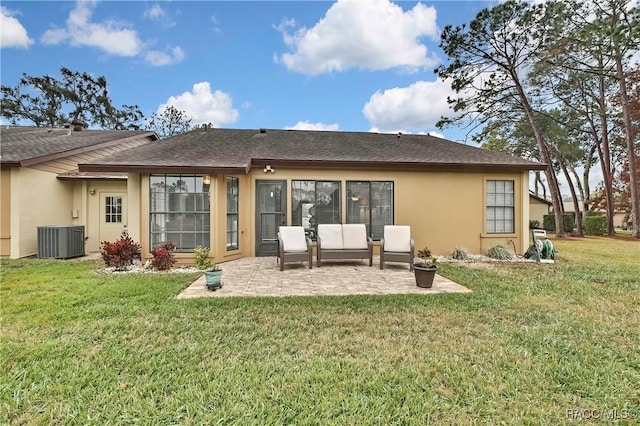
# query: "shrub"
{"type": "Point", "coordinates": [549, 222]}
{"type": "Point", "coordinates": [163, 258]}
{"type": "Point", "coordinates": [120, 253]}
{"type": "Point", "coordinates": [424, 259]}
{"type": "Point", "coordinates": [534, 224]}
{"type": "Point", "coordinates": [499, 252]}
{"type": "Point", "coordinates": [202, 257]}
{"type": "Point", "coordinates": [459, 253]}
{"type": "Point", "coordinates": [595, 225]}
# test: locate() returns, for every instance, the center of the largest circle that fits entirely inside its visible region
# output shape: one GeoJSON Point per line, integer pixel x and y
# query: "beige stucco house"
{"type": "Point", "coordinates": [538, 208]}
{"type": "Point", "coordinates": [230, 189]}
{"type": "Point", "coordinates": [40, 184]}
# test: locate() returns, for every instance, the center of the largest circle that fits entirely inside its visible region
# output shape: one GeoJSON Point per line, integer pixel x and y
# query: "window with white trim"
{"type": "Point", "coordinates": [113, 209]}
{"type": "Point", "coordinates": [500, 213]}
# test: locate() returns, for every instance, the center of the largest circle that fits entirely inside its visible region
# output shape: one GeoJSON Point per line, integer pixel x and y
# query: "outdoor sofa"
{"type": "Point", "coordinates": [343, 242]}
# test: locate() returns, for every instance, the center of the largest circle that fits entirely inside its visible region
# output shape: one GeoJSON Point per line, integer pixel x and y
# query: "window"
{"type": "Point", "coordinates": [500, 207]}
{"type": "Point", "coordinates": [179, 211]}
{"type": "Point", "coordinates": [232, 213]}
{"type": "Point", "coordinates": [315, 202]}
{"type": "Point", "coordinates": [370, 203]}
{"type": "Point", "coordinates": [113, 209]}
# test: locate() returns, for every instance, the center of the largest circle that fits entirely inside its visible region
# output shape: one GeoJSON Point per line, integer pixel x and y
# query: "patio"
{"type": "Point", "coordinates": [261, 276]}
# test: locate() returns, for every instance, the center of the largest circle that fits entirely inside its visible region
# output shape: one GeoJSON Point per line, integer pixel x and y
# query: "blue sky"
{"type": "Point", "coordinates": [364, 65]}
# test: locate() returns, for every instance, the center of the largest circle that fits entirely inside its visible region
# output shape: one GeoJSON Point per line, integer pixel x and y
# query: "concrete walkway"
{"type": "Point", "coordinates": [261, 276]}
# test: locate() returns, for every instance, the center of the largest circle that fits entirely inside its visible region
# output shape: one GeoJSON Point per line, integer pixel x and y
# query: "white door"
{"type": "Point", "coordinates": [113, 215]}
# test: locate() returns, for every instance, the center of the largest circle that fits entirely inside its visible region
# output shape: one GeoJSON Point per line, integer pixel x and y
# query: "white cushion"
{"type": "Point", "coordinates": [293, 238]}
{"type": "Point", "coordinates": [354, 236]}
{"type": "Point", "coordinates": [397, 238]}
{"type": "Point", "coordinates": [330, 236]}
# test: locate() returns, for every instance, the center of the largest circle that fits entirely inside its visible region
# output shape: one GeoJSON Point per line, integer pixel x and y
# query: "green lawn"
{"type": "Point", "coordinates": [529, 345]}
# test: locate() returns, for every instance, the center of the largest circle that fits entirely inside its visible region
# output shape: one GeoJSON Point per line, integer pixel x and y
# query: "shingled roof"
{"type": "Point", "coordinates": [24, 146]}
{"type": "Point", "coordinates": [236, 151]}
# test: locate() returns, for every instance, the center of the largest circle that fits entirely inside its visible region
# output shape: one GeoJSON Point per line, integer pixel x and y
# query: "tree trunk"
{"type": "Point", "coordinates": [631, 149]}
{"type": "Point", "coordinates": [605, 160]}
{"type": "Point", "coordinates": [587, 171]}
{"type": "Point", "coordinates": [556, 199]}
{"type": "Point", "coordinates": [574, 196]}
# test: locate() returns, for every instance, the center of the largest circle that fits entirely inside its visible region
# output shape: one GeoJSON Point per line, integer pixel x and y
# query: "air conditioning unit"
{"type": "Point", "coordinates": [60, 241]}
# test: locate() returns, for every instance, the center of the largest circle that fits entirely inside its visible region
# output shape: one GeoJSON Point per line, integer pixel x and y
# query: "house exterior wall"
{"type": "Point", "coordinates": [33, 196]}
{"type": "Point", "coordinates": [5, 212]}
{"type": "Point", "coordinates": [537, 210]}
{"type": "Point", "coordinates": [444, 209]}
{"type": "Point", "coordinates": [37, 199]}
{"type": "Point", "coordinates": [87, 201]}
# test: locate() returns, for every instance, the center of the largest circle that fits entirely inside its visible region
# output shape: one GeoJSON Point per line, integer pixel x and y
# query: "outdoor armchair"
{"type": "Point", "coordinates": [397, 245]}
{"type": "Point", "coordinates": [293, 246]}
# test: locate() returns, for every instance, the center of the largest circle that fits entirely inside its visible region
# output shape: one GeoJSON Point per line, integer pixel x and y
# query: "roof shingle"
{"type": "Point", "coordinates": [230, 149]}
{"type": "Point", "coordinates": [28, 144]}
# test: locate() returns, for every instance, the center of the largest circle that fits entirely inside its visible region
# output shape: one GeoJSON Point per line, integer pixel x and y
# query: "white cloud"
{"type": "Point", "coordinates": [110, 36]}
{"type": "Point", "coordinates": [155, 12]}
{"type": "Point", "coordinates": [159, 15]}
{"type": "Point", "coordinates": [306, 125]}
{"type": "Point", "coordinates": [216, 24]}
{"type": "Point", "coordinates": [158, 58]}
{"type": "Point", "coordinates": [413, 108]}
{"type": "Point", "coordinates": [204, 106]}
{"type": "Point", "coordinates": [372, 34]}
{"type": "Point", "coordinates": [12, 32]}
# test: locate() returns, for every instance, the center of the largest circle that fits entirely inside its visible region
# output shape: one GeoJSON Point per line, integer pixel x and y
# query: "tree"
{"type": "Point", "coordinates": [488, 63]}
{"type": "Point", "coordinates": [593, 52]}
{"type": "Point", "coordinates": [75, 97]}
{"type": "Point", "coordinates": [170, 122]}
{"type": "Point", "coordinates": [516, 138]}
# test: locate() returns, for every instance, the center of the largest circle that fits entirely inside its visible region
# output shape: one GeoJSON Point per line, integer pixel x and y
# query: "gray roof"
{"type": "Point", "coordinates": [23, 146]}
{"type": "Point", "coordinates": [236, 151]}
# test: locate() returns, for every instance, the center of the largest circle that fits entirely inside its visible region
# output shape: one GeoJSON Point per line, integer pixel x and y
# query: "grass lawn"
{"type": "Point", "coordinates": [532, 344]}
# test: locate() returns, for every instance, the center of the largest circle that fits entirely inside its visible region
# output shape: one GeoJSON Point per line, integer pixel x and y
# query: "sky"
{"type": "Point", "coordinates": [363, 65]}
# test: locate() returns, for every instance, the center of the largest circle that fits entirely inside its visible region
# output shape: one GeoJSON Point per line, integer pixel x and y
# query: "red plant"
{"type": "Point", "coordinates": [120, 253]}
{"type": "Point", "coordinates": [163, 258]}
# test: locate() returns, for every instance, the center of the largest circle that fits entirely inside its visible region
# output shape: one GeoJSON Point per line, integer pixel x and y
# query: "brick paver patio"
{"type": "Point", "coordinates": [261, 276]}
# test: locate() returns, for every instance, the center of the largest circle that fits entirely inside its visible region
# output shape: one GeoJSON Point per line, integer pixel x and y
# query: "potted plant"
{"type": "Point", "coordinates": [424, 268]}
{"type": "Point", "coordinates": [212, 272]}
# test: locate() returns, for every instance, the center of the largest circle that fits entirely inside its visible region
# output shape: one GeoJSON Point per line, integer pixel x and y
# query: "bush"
{"type": "Point", "coordinates": [120, 253]}
{"type": "Point", "coordinates": [202, 257]}
{"type": "Point", "coordinates": [549, 222]}
{"type": "Point", "coordinates": [595, 225]}
{"type": "Point", "coordinates": [459, 253]}
{"type": "Point", "coordinates": [424, 259]}
{"type": "Point", "coordinates": [163, 258]}
{"type": "Point", "coordinates": [534, 224]}
{"type": "Point", "coordinates": [499, 252]}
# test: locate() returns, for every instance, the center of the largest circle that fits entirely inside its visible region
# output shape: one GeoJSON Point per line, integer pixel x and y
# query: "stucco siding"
{"type": "Point", "coordinates": [444, 209]}
{"type": "Point", "coordinates": [537, 210]}
{"type": "Point", "coordinates": [5, 212]}
{"type": "Point", "coordinates": [37, 199]}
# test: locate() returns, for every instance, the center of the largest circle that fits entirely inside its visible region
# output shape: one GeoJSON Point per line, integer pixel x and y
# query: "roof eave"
{"type": "Point", "coordinates": [162, 169]}
{"type": "Point", "coordinates": [391, 165]}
